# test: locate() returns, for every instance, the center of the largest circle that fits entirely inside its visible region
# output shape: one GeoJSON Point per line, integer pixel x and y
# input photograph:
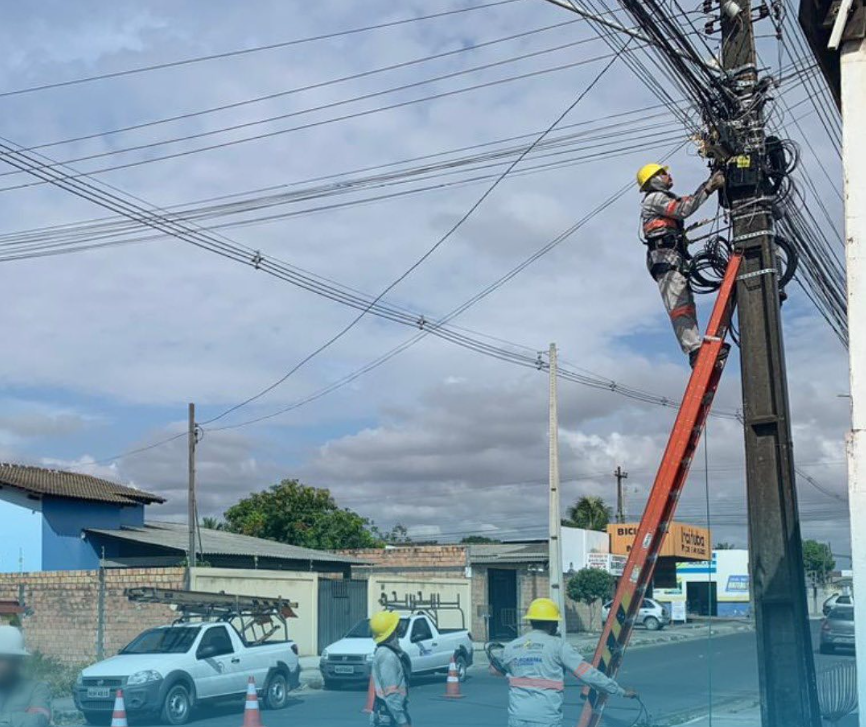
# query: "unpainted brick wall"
{"type": "Point", "coordinates": [429, 558]}
{"type": "Point", "coordinates": [64, 623]}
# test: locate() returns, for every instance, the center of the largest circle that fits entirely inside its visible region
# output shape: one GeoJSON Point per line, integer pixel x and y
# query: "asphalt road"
{"type": "Point", "coordinates": [672, 679]}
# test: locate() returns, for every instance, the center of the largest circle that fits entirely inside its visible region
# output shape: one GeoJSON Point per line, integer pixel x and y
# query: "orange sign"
{"type": "Point", "coordinates": [688, 542]}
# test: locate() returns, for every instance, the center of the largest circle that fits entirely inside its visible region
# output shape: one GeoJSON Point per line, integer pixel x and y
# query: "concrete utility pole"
{"type": "Point", "coordinates": [785, 663]}
{"type": "Point", "coordinates": [853, 66]}
{"type": "Point", "coordinates": [192, 519]}
{"type": "Point", "coordinates": [555, 530]}
{"type": "Point", "coordinates": [620, 503]}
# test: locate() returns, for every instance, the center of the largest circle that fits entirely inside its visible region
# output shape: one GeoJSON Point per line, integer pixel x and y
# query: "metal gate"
{"type": "Point", "coordinates": [342, 603]}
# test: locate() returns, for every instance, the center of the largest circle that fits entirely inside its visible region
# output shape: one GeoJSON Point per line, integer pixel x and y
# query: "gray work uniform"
{"type": "Point", "coordinates": [25, 704]}
{"type": "Point", "coordinates": [536, 665]}
{"type": "Point", "coordinates": [392, 688]}
{"type": "Point", "coordinates": [662, 215]}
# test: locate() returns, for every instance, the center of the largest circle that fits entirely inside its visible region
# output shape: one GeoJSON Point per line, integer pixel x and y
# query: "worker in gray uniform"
{"type": "Point", "coordinates": [390, 681]}
{"type": "Point", "coordinates": [23, 702]}
{"type": "Point", "coordinates": [535, 665]}
{"type": "Point", "coordinates": [662, 222]}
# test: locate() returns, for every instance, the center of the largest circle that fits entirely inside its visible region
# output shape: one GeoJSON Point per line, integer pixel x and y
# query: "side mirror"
{"type": "Point", "coordinates": [207, 652]}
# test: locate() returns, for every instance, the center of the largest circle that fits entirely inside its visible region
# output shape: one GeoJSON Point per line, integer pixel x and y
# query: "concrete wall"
{"type": "Point", "coordinates": [447, 589]}
{"type": "Point", "coordinates": [21, 528]}
{"type": "Point", "coordinates": [298, 587]}
{"type": "Point", "coordinates": [577, 543]}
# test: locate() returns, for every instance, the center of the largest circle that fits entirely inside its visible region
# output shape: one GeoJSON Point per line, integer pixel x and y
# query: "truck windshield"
{"type": "Point", "coordinates": [165, 640]}
{"type": "Point", "coordinates": [361, 630]}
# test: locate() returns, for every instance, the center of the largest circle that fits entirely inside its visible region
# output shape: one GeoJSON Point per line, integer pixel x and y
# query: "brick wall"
{"type": "Point", "coordinates": [64, 623]}
{"type": "Point", "coordinates": [415, 558]}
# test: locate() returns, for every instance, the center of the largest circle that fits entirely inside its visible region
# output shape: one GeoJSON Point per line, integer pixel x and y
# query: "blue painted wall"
{"type": "Point", "coordinates": [62, 545]}
{"type": "Point", "coordinates": [21, 528]}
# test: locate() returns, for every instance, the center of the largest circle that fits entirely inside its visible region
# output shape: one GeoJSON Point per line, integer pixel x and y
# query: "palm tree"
{"type": "Point", "coordinates": [589, 513]}
{"type": "Point", "coordinates": [212, 523]}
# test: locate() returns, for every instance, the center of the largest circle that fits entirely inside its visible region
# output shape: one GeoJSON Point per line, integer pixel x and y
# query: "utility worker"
{"type": "Point", "coordinates": [662, 214]}
{"type": "Point", "coordinates": [389, 673]}
{"type": "Point", "coordinates": [23, 703]}
{"type": "Point", "coordinates": [536, 664]}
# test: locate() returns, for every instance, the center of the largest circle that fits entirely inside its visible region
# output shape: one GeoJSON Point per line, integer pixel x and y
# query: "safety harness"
{"type": "Point", "coordinates": [666, 233]}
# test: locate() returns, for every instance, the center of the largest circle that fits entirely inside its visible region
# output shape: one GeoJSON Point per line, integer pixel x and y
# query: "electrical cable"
{"type": "Point", "coordinates": [248, 51]}
{"type": "Point", "coordinates": [454, 228]}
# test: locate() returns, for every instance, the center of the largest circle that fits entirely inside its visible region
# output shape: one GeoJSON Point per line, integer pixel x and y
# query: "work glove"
{"type": "Point", "coordinates": [717, 181]}
{"type": "Point", "coordinates": [630, 694]}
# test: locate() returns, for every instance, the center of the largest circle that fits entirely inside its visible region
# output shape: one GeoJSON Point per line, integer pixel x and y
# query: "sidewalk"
{"type": "Point", "coordinates": [746, 716]}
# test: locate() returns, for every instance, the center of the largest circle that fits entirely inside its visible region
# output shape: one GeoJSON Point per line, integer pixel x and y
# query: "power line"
{"type": "Point", "coordinates": [248, 51]}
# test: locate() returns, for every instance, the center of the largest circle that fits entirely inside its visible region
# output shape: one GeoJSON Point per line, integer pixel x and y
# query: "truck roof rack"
{"type": "Point", "coordinates": [417, 603]}
{"type": "Point", "coordinates": [256, 615]}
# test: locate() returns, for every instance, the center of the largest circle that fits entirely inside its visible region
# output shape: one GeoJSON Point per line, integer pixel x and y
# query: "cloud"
{"type": "Point", "coordinates": [438, 437]}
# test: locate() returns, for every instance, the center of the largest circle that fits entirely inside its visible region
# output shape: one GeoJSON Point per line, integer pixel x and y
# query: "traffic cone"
{"type": "Point", "coordinates": [118, 716]}
{"type": "Point", "coordinates": [252, 714]}
{"type": "Point", "coordinates": [452, 685]}
{"type": "Point", "coordinates": [371, 697]}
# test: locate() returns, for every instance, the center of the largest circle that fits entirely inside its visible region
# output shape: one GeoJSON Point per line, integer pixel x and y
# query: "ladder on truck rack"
{"type": "Point", "coordinates": [665, 494]}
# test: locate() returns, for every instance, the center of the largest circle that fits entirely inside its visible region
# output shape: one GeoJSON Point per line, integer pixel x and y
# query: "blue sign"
{"type": "Point", "coordinates": [738, 584]}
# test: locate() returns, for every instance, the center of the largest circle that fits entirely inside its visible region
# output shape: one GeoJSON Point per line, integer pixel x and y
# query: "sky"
{"type": "Point", "coordinates": [105, 347]}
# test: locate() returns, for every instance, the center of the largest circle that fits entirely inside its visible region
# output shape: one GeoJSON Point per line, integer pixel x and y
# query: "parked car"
{"type": "Point", "coordinates": [837, 629]}
{"type": "Point", "coordinates": [428, 649]}
{"type": "Point", "coordinates": [652, 614]}
{"type": "Point", "coordinates": [167, 671]}
{"type": "Point", "coordinates": [837, 599]}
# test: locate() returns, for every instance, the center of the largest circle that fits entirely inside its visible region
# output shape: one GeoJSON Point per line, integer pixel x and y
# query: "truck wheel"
{"type": "Point", "coordinates": [277, 691]}
{"type": "Point", "coordinates": [177, 705]}
{"type": "Point", "coordinates": [462, 666]}
{"type": "Point", "coordinates": [652, 623]}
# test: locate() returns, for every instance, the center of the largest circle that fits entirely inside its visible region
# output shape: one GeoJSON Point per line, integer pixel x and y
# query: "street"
{"type": "Point", "coordinates": [673, 679]}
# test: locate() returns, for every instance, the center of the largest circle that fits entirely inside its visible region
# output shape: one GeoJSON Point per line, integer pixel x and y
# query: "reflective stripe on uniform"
{"type": "Point", "coordinates": [683, 310]}
{"type": "Point", "coordinates": [660, 223]}
{"type": "Point", "coordinates": [582, 669]}
{"type": "Point", "coordinates": [386, 691]}
{"type": "Point", "coordinates": [535, 683]}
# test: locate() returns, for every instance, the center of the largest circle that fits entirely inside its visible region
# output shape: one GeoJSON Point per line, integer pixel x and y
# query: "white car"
{"type": "Point", "coordinates": [167, 671]}
{"type": "Point", "coordinates": [837, 599]}
{"type": "Point", "coordinates": [427, 648]}
{"type": "Point", "coordinates": [652, 614]}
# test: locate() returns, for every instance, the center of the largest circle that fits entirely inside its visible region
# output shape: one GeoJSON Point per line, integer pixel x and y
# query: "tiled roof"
{"type": "Point", "coordinates": [175, 536]}
{"type": "Point", "coordinates": [38, 481]}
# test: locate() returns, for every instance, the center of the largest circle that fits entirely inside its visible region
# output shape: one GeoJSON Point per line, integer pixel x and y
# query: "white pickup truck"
{"type": "Point", "coordinates": [427, 648]}
{"type": "Point", "coordinates": [169, 670]}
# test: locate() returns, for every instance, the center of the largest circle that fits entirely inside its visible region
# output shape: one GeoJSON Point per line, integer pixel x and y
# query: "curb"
{"type": "Point", "coordinates": [730, 706]}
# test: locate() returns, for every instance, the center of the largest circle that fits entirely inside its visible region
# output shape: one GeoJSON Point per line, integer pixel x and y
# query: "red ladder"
{"type": "Point", "coordinates": [662, 503]}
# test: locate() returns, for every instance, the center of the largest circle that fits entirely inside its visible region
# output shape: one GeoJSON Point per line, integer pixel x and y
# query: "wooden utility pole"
{"type": "Point", "coordinates": [785, 663]}
{"type": "Point", "coordinates": [555, 530]}
{"type": "Point", "coordinates": [620, 504]}
{"type": "Point", "coordinates": [192, 519]}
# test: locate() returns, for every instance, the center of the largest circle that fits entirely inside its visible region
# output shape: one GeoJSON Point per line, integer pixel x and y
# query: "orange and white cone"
{"type": "Point", "coordinates": [452, 685]}
{"type": "Point", "coordinates": [252, 714]}
{"type": "Point", "coordinates": [118, 716]}
{"type": "Point", "coordinates": [371, 697]}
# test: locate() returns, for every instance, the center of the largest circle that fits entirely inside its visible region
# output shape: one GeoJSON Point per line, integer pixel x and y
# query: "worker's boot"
{"type": "Point", "coordinates": [693, 357]}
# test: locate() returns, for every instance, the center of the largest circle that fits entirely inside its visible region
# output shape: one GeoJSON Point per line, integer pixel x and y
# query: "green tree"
{"type": "Point", "coordinates": [398, 535]}
{"type": "Point", "coordinates": [590, 585]}
{"type": "Point", "coordinates": [589, 513]}
{"type": "Point", "coordinates": [817, 560]}
{"type": "Point", "coordinates": [296, 514]}
{"type": "Point", "coordinates": [477, 540]}
{"type": "Point", "coordinates": [212, 523]}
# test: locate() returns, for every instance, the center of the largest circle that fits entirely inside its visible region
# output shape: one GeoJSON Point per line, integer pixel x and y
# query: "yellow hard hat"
{"type": "Point", "coordinates": [383, 624]}
{"type": "Point", "coordinates": [543, 609]}
{"type": "Point", "coordinates": [647, 172]}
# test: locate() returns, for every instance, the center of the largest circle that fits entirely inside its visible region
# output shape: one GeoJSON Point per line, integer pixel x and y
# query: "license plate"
{"type": "Point", "coordinates": [344, 670]}
{"type": "Point", "coordinates": [98, 693]}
